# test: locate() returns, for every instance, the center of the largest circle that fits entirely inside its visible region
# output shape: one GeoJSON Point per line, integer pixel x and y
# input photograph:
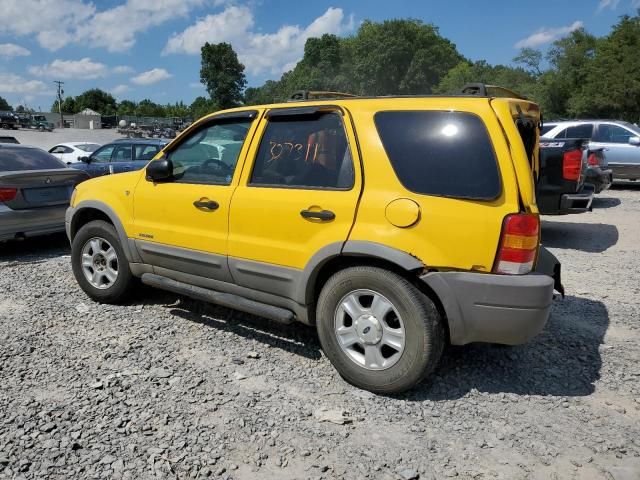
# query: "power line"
{"type": "Point", "coordinates": [60, 93]}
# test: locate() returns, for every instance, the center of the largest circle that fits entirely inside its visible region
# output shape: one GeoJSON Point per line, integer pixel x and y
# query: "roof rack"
{"type": "Point", "coordinates": [483, 90]}
{"type": "Point", "coordinates": [302, 95]}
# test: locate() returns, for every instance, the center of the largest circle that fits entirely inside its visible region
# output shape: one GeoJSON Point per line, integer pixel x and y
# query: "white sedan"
{"type": "Point", "coordinates": [71, 152]}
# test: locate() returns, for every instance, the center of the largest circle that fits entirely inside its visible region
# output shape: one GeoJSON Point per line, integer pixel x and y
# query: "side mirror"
{"type": "Point", "coordinates": [85, 159]}
{"type": "Point", "coordinates": [159, 170]}
{"type": "Point", "coordinates": [634, 141]}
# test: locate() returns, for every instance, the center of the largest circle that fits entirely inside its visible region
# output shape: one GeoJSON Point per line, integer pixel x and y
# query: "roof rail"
{"type": "Point", "coordinates": [483, 90]}
{"type": "Point", "coordinates": [302, 95]}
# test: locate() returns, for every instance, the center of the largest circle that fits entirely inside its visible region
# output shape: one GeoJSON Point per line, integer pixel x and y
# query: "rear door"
{"type": "Point", "coordinates": [298, 194]}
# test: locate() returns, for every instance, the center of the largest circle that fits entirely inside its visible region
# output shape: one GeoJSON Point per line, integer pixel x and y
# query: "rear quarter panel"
{"type": "Point", "coordinates": [451, 233]}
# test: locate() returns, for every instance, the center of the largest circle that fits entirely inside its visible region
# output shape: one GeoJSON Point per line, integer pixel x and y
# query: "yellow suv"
{"type": "Point", "coordinates": [393, 224]}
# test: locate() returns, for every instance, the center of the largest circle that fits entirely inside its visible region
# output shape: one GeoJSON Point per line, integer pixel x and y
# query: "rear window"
{"type": "Point", "coordinates": [440, 153]}
{"type": "Point", "coordinates": [14, 159]}
{"type": "Point", "coordinates": [88, 147]}
{"type": "Point", "coordinates": [546, 129]}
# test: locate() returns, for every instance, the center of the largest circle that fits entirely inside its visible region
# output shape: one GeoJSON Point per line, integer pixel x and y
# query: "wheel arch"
{"type": "Point", "coordinates": [90, 210]}
{"type": "Point", "coordinates": [359, 253]}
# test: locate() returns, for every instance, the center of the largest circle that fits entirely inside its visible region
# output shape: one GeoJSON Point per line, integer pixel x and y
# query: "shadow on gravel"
{"type": "Point", "coordinates": [564, 360]}
{"type": "Point", "coordinates": [36, 249]}
{"type": "Point", "coordinates": [588, 237]}
{"type": "Point", "coordinates": [622, 185]}
{"type": "Point", "coordinates": [296, 338]}
{"type": "Point", "coordinates": [605, 202]}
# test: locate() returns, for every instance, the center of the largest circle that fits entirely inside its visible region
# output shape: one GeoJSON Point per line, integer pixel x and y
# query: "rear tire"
{"type": "Point", "coordinates": [99, 263]}
{"type": "Point", "coordinates": [399, 318]}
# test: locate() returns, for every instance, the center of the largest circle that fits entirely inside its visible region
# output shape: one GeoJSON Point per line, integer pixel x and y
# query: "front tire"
{"type": "Point", "coordinates": [379, 331]}
{"type": "Point", "coordinates": [99, 264]}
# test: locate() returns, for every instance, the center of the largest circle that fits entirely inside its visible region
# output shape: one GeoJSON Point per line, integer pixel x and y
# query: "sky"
{"type": "Point", "coordinates": [139, 49]}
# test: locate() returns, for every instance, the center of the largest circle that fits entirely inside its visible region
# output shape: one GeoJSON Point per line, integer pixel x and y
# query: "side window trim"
{"type": "Point", "coordinates": [281, 114]}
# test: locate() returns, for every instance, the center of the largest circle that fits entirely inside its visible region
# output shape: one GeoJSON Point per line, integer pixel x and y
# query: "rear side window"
{"type": "Point", "coordinates": [579, 131]}
{"type": "Point", "coordinates": [440, 153]}
{"type": "Point", "coordinates": [13, 159]}
{"type": "Point", "coordinates": [546, 129]}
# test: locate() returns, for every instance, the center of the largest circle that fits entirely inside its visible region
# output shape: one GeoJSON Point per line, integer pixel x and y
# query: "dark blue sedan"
{"type": "Point", "coordinates": [120, 156]}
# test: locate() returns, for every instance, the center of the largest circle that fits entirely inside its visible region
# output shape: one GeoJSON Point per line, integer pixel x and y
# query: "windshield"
{"type": "Point", "coordinates": [631, 126]}
{"type": "Point", "coordinates": [87, 147]}
{"type": "Point", "coordinates": [18, 159]}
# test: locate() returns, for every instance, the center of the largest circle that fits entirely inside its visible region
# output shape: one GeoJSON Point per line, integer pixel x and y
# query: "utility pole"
{"type": "Point", "coordinates": [60, 93]}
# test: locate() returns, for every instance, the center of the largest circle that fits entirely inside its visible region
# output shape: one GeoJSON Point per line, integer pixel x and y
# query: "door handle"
{"type": "Point", "coordinates": [320, 215]}
{"type": "Point", "coordinates": [206, 204]}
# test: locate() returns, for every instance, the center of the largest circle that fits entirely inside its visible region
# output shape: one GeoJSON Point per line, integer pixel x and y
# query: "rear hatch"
{"type": "Point", "coordinates": [520, 121]}
{"type": "Point", "coordinates": [20, 190]}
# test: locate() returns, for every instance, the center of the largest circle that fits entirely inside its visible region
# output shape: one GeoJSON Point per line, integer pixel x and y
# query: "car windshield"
{"type": "Point", "coordinates": [631, 126]}
{"type": "Point", "coordinates": [14, 159]}
{"type": "Point", "coordinates": [87, 147]}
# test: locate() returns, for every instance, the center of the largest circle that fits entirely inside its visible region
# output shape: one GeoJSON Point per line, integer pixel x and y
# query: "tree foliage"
{"type": "Point", "coordinates": [222, 74]}
{"type": "Point", "coordinates": [4, 105]}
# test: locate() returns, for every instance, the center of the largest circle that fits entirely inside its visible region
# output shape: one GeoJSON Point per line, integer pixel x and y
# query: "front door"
{"type": "Point", "coordinates": [623, 158]}
{"type": "Point", "coordinates": [182, 224]}
{"type": "Point", "coordinates": [299, 196]}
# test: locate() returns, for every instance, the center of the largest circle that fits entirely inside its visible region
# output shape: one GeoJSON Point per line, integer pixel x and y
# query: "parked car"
{"type": "Point", "coordinates": [620, 141]}
{"type": "Point", "coordinates": [72, 152]}
{"type": "Point", "coordinates": [120, 156]}
{"type": "Point", "coordinates": [393, 224]}
{"type": "Point", "coordinates": [8, 121]}
{"type": "Point", "coordinates": [35, 188]}
{"type": "Point", "coordinates": [598, 172]}
{"type": "Point", "coordinates": [561, 187]}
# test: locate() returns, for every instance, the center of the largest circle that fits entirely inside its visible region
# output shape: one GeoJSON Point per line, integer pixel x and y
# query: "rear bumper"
{"type": "Point", "coordinates": [507, 309]}
{"type": "Point", "coordinates": [577, 202]}
{"type": "Point", "coordinates": [30, 223]}
{"type": "Point", "coordinates": [599, 178]}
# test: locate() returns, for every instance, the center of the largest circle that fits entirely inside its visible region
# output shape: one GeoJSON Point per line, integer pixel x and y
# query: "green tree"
{"type": "Point", "coordinates": [223, 74]}
{"type": "Point", "coordinates": [401, 57]}
{"type": "Point", "coordinates": [611, 86]}
{"type": "Point", "coordinates": [202, 106]}
{"type": "Point", "coordinates": [4, 105]}
{"type": "Point", "coordinates": [178, 109]}
{"type": "Point", "coordinates": [97, 100]}
{"type": "Point", "coordinates": [530, 59]}
{"type": "Point", "coordinates": [127, 107]}
{"type": "Point", "coordinates": [148, 108]}
{"type": "Point", "coordinates": [69, 105]}
{"type": "Point", "coordinates": [20, 109]}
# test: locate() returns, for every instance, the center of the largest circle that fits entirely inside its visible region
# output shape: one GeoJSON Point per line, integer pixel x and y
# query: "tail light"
{"type": "Point", "coordinates": [7, 194]}
{"type": "Point", "coordinates": [592, 160]}
{"type": "Point", "coordinates": [518, 244]}
{"type": "Point", "coordinates": [572, 165]}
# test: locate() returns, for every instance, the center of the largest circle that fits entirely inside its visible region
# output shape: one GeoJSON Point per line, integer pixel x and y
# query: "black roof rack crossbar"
{"type": "Point", "coordinates": [302, 95]}
{"type": "Point", "coordinates": [483, 90]}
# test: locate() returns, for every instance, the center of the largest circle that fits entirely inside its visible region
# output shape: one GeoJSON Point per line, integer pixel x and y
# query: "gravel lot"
{"type": "Point", "coordinates": [167, 387]}
{"type": "Point", "coordinates": [46, 140]}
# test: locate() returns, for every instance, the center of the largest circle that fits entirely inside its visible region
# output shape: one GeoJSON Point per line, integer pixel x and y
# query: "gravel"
{"type": "Point", "coordinates": [46, 140]}
{"type": "Point", "coordinates": [167, 387]}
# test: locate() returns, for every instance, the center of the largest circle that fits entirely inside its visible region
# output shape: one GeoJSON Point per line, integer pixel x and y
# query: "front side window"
{"type": "Point", "coordinates": [58, 149]}
{"type": "Point", "coordinates": [579, 131]}
{"type": "Point", "coordinates": [440, 153]}
{"type": "Point", "coordinates": [102, 155]}
{"type": "Point", "coordinates": [304, 152]}
{"type": "Point", "coordinates": [608, 133]}
{"type": "Point", "coordinates": [210, 154]}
